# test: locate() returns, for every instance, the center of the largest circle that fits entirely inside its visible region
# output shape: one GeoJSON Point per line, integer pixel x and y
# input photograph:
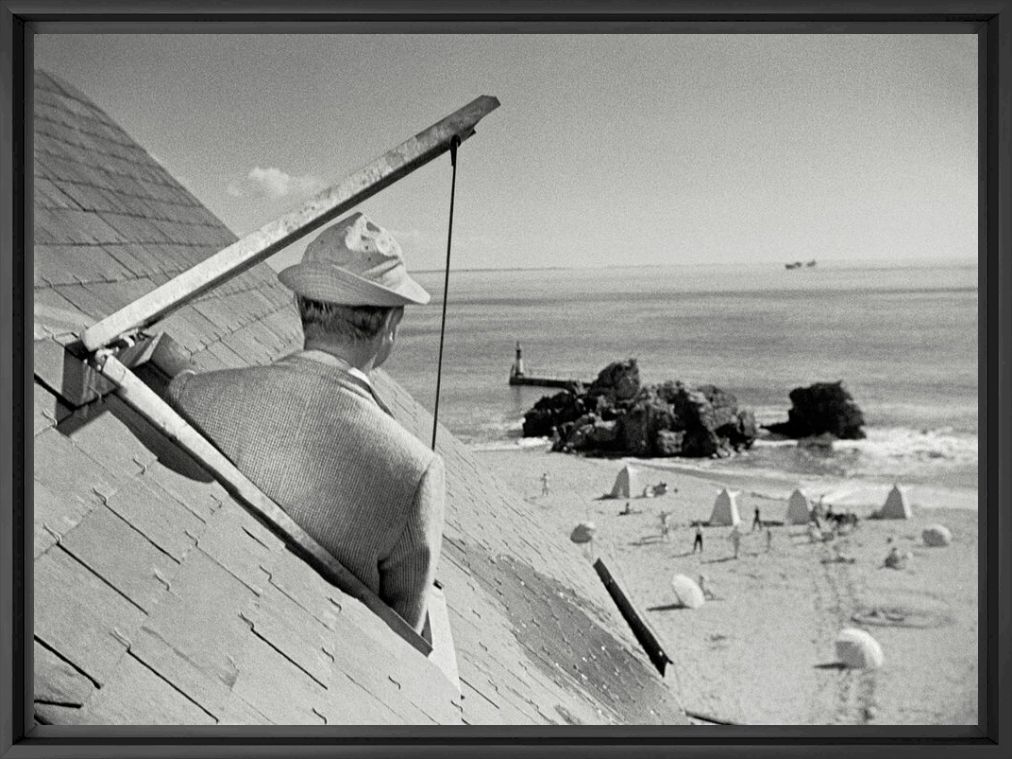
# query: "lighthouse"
{"type": "Point", "coordinates": [518, 363]}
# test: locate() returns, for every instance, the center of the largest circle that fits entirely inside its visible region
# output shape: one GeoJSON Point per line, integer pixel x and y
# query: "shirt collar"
{"type": "Point", "coordinates": [328, 359]}
{"type": "Point", "coordinates": [339, 363]}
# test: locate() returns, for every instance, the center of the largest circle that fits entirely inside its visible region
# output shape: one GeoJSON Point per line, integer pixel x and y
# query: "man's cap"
{"type": "Point", "coordinates": [354, 263]}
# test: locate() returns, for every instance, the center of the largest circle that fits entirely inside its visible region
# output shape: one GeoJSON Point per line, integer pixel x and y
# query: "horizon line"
{"type": "Point", "coordinates": [857, 263]}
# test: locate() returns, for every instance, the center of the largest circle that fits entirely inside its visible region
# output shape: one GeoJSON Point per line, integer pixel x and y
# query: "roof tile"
{"type": "Point", "coordinates": [86, 197]}
{"type": "Point", "coordinates": [73, 227]}
{"type": "Point", "coordinates": [137, 695]}
{"type": "Point", "coordinates": [116, 295]}
{"type": "Point", "coordinates": [84, 300]}
{"type": "Point", "coordinates": [122, 556]}
{"type": "Point", "coordinates": [125, 257]}
{"type": "Point", "coordinates": [67, 470]}
{"type": "Point", "coordinates": [54, 314]}
{"type": "Point", "coordinates": [202, 497]}
{"type": "Point", "coordinates": [135, 228]}
{"type": "Point", "coordinates": [56, 681]}
{"type": "Point", "coordinates": [55, 514]}
{"type": "Point", "coordinates": [66, 264]}
{"type": "Point", "coordinates": [47, 409]}
{"type": "Point", "coordinates": [243, 557]}
{"type": "Point", "coordinates": [195, 637]}
{"type": "Point", "coordinates": [187, 327]}
{"type": "Point", "coordinates": [79, 615]}
{"type": "Point", "coordinates": [222, 353]}
{"type": "Point", "coordinates": [100, 431]}
{"type": "Point", "coordinates": [153, 513]}
{"type": "Point", "coordinates": [269, 682]}
{"type": "Point", "coordinates": [50, 195]}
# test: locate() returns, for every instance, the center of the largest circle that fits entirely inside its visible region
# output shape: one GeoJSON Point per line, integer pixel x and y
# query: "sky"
{"type": "Point", "coordinates": [607, 150]}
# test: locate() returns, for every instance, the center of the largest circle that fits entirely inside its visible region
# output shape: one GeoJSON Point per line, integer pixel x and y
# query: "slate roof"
{"type": "Point", "coordinates": [160, 600]}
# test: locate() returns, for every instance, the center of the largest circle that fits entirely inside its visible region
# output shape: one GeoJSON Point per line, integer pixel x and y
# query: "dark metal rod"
{"type": "Point", "coordinates": [446, 287]}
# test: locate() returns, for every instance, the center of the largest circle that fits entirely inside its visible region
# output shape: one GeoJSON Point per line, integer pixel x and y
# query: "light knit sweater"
{"type": "Point", "coordinates": [314, 439]}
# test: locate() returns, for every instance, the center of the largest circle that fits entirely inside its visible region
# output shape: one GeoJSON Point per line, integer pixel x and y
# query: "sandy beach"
{"type": "Point", "coordinates": [762, 652]}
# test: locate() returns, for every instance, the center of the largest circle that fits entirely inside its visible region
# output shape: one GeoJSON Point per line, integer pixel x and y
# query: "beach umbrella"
{"type": "Point", "coordinates": [687, 592]}
{"type": "Point", "coordinates": [583, 532]}
{"type": "Point", "coordinates": [856, 649]}
{"type": "Point", "coordinates": [936, 535]}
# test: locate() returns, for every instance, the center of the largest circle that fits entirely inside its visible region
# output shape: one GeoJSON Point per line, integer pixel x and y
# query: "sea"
{"type": "Point", "coordinates": [903, 337]}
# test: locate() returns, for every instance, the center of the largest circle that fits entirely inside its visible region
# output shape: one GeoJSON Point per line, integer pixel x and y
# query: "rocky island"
{"type": "Point", "coordinates": [617, 415]}
{"type": "Point", "coordinates": [824, 408]}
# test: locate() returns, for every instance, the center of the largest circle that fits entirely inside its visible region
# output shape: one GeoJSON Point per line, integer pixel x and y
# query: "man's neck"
{"type": "Point", "coordinates": [360, 356]}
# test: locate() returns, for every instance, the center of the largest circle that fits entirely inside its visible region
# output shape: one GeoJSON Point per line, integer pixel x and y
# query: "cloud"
{"type": "Point", "coordinates": [273, 183]}
{"type": "Point", "coordinates": [415, 236]}
{"type": "Point", "coordinates": [437, 236]}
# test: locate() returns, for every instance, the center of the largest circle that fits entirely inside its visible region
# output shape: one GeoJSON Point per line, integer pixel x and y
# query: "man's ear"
{"type": "Point", "coordinates": [392, 320]}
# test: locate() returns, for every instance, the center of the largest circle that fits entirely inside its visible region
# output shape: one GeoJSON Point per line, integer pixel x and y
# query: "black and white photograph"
{"type": "Point", "coordinates": [506, 379]}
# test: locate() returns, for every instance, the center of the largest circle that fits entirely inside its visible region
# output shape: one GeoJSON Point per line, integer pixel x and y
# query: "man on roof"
{"type": "Point", "coordinates": [311, 431]}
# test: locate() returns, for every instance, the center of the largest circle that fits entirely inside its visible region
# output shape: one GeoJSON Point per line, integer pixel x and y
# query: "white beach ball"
{"type": "Point", "coordinates": [687, 592]}
{"type": "Point", "coordinates": [858, 650]}
{"type": "Point", "coordinates": [936, 535]}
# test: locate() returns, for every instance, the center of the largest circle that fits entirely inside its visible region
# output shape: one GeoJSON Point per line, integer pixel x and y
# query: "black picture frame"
{"type": "Point", "coordinates": [991, 20]}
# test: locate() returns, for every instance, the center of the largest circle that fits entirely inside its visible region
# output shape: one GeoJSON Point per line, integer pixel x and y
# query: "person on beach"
{"type": "Point", "coordinates": [698, 540]}
{"type": "Point", "coordinates": [312, 433]}
{"type": "Point", "coordinates": [735, 538]}
{"type": "Point", "coordinates": [769, 540]}
{"type": "Point", "coordinates": [757, 523]}
{"type": "Point", "coordinates": [544, 484]}
{"type": "Point", "coordinates": [704, 585]}
{"type": "Point", "coordinates": [893, 560]}
{"type": "Point", "coordinates": [665, 527]}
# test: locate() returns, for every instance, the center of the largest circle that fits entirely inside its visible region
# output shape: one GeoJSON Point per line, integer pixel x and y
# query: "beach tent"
{"type": "Point", "coordinates": [725, 509]}
{"type": "Point", "coordinates": [856, 649]}
{"type": "Point", "coordinates": [627, 483]}
{"type": "Point", "coordinates": [896, 505]}
{"type": "Point", "coordinates": [799, 509]}
{"type": "Point", "coordinates": [936, 535]}
{"type": "Point", "coordinates": [687, 592]}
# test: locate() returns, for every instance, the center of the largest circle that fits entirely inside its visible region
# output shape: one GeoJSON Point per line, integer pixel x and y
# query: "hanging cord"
{"type": "Point", "coordinates": [454, 142]}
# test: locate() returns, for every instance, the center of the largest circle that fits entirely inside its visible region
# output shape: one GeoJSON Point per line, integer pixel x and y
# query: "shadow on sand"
{"type": "Point", "coordinates": [667, 607]}
{"type": "Point", "coordinates": [648, 540]}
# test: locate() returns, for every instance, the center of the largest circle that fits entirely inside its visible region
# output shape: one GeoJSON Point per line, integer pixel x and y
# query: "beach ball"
{"type": "Point", "coordinates": [936, 535]}
{"type": "Point", "coordinates": [583, 532]}
{"type": "Point", "coordinates": [856, 649]}
{"type": "Point", "coordinates": [687, 592]}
